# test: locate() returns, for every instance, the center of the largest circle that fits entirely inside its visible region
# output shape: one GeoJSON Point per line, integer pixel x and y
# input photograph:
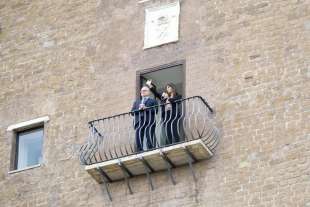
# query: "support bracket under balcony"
{"type": "Point", "coordinates": [105, 180]}
{"type": "Point", "coordinates": [169, 166]}
{"type": "Point", "coordinates": [191, 159]}
{"type": "Point", "coordinates": [148, 169]}
{"type": "Point", "coordinates": [127, 174]}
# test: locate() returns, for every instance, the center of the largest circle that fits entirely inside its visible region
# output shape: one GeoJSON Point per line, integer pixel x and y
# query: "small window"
{"type": "Point", "coordinates": [29, 148]}
{"type": "Point", "coordinates": [26, 144]}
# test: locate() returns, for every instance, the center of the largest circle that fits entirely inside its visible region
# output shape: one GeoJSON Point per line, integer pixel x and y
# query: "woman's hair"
{"type": "Point", "coordinates": [174, 88]}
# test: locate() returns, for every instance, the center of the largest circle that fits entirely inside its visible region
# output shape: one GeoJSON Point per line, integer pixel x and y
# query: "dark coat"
{"type": "Point", "coordinates": [175, 105]}
{"type": "Point", "coordinates": [146, 116]}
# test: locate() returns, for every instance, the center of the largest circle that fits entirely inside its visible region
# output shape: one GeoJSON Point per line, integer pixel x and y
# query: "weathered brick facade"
{"type": "Point", "coordinates": [77, 60]}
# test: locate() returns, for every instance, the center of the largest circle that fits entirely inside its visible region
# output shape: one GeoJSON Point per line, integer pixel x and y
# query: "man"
{"type": "Point", "coordinates": [144, 119]}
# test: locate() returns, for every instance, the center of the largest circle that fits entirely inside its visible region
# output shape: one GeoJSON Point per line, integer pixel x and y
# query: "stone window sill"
{"type": "Point", "coordinates": [26, 168]}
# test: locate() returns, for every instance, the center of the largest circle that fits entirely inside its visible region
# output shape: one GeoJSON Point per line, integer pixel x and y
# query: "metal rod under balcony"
{"type": "Point", "coordinates": [154, 139]}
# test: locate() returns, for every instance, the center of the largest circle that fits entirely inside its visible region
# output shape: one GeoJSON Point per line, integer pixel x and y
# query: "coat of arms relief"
{"type": "Point", "coordinates": [161, 25]}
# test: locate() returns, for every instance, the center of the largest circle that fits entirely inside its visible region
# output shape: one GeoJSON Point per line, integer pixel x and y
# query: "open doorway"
{"type": "Point", "coordinates": [170, 115]}
{"type": "Point", "coordinates": [161, 75]}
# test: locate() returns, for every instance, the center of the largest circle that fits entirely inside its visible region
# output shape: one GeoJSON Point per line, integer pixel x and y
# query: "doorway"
{"type": "Point", "coordinates": [161, 75]}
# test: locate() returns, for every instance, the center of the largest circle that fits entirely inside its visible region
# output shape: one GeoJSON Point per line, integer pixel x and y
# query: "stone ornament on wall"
{"type": "Point", "coordinates": [161, 25]}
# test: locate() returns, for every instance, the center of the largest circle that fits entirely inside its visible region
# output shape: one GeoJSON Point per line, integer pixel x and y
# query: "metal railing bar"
{"type": "Point", "coordinates": [136, 111]}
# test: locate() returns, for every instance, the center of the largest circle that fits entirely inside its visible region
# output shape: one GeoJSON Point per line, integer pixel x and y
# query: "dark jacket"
{"type": "Point", "coordinates": [146, 116]}
{"type": "Point", "coordinates": [175, 106]}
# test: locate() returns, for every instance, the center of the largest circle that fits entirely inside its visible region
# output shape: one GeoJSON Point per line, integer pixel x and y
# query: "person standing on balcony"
{"type": "Point", "coordinates": [171, 113]}
{"type": "Point", "coordinates": [144, 112]}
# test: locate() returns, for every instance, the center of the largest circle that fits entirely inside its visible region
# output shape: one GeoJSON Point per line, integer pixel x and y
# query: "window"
{"type": "Point", "coordinates": [29, 148]}
{"type": "Point", "coordinates": [27, 144]}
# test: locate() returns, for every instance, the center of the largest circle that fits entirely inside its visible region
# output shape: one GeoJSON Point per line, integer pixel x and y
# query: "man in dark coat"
{"type": "Point", "coordinates": [144, 112]}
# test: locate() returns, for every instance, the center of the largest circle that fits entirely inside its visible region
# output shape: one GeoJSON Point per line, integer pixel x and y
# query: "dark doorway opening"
{"type": "Point", "coordinates": [161, 75]}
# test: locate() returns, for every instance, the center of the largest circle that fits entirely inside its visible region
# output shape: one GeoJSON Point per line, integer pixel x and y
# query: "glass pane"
{"type": "Point", "coordinates": [29, 148]}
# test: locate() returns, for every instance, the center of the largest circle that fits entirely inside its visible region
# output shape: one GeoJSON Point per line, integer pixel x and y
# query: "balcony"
{"type": "Point", "coordinates": [126, 145]}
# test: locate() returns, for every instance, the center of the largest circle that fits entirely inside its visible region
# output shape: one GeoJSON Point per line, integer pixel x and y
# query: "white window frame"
{"type": "Point", "coordinates": [24, 126]}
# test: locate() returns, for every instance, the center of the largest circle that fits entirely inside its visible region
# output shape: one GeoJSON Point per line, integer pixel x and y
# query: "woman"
{"type": "Point", "coordinates": [171, 112]}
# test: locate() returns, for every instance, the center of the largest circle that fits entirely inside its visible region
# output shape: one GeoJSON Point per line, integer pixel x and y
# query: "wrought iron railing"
{"type": "Point", "coordinates": [152, 128]}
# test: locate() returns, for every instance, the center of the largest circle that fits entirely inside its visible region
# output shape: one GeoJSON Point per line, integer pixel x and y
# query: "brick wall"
{"type": "Point", "coordinates": [77, 60]}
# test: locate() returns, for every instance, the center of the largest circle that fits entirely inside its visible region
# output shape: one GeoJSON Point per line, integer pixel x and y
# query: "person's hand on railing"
{"type": "Point", "coordinates": [142, 107]}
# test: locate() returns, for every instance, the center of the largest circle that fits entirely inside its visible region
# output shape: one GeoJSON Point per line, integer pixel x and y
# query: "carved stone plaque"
{"type": "Point", "coordinates": [161, 25]}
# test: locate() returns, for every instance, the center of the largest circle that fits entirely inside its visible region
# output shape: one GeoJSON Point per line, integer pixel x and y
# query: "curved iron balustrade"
{"type": "Point", "coordinates": [114, 137]}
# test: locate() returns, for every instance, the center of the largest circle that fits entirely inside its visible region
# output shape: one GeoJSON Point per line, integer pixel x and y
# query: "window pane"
{"type": "Point", "coordinates": [29, 148]}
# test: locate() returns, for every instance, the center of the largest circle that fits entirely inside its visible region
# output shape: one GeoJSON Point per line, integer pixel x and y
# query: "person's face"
{"type": "Point", "coordinates": [169, 89]}
{"type": "Point", "coordinates": [145, 91]}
